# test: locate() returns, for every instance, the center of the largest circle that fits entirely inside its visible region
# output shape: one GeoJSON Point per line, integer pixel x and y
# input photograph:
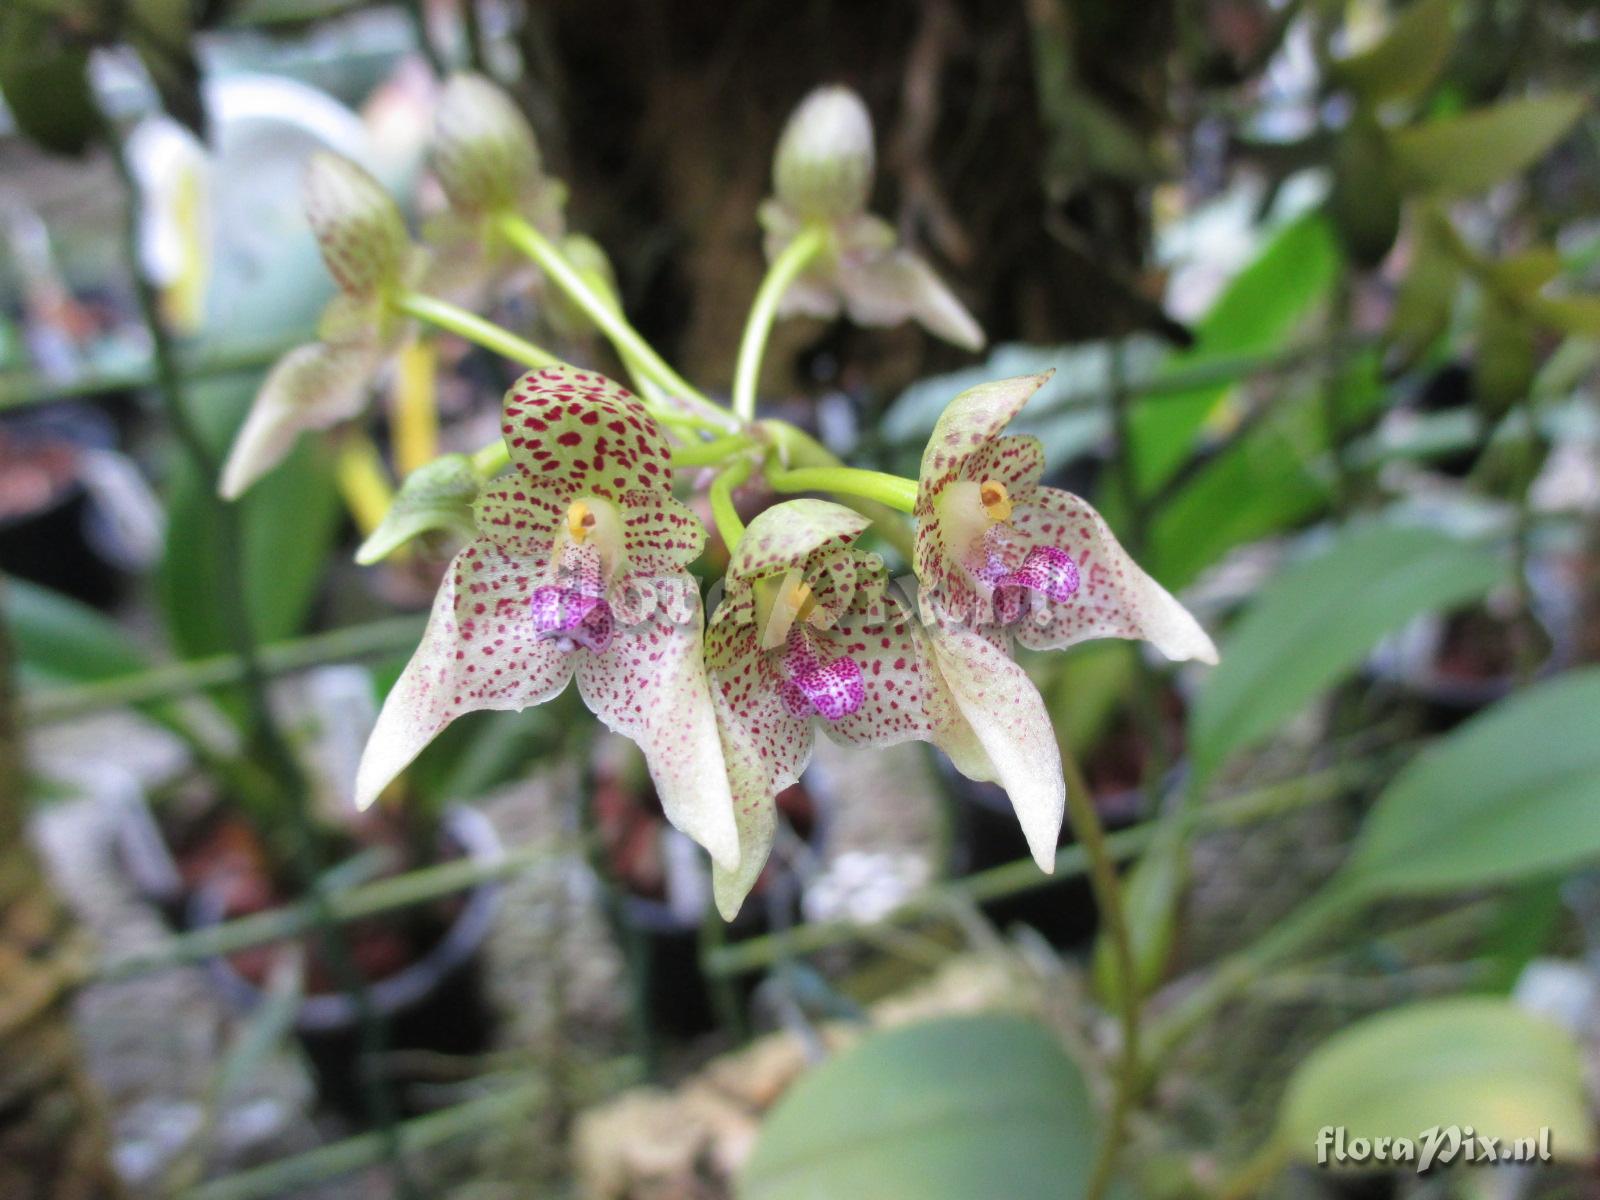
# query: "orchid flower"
{"type": "Point", "coordinates": [822, 177]}
{"type": "Point", "coordinates": [999, 557]}
{"type": "Point", "coordinates": [807, 634]}
{"type": "Point", "coordinates": [316, 386]}
{"type": "Point", "coordinates": [487, 160]}
{"type": "Point", "coordinates": [578, 569]}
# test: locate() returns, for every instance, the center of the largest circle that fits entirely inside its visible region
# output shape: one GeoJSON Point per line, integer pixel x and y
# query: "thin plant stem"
{"type": "Point", "coordinates": [475, 329]}
{"type": "Point", "coordinates": [723, 512]}
{"type": "Point", "coordinates": [1107, 888]}
{"type": "Point", "coordinates": [889, 490]}
{"type": "Point", "coordinates": [1344, 492]}
{"type": "Point", "coordinates": [268, 738]}
{"type": "Point", "coordinates": [1526, 635]}
{"type": "Point", "coordinates": [711, 453]}
{"type": "Point", "coordinates": [785, 269]}
{"type": "Point", "coordinates": [627, 340]}
{"type": "Point", "coordinates": [797, 449]}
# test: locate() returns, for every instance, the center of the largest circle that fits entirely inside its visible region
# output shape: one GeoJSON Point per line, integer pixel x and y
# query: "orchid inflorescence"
{"type": "Point", "coordinates": [578, 548]}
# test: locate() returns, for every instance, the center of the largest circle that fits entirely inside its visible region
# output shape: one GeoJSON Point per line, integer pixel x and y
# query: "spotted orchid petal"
{"type": "Point", "coordinates": [996, 548]}
{"type": "Point", "coordinates": [484, 153]}
{"type": "Point", "coordinates": [312, 387]}
{"type": "Point", "coordinates": [357, 225]}
{"type": "Point", "coordinates": [577, 569]}
{"type": "Point", "coordinates": [898, 286]}
{"type": "Point", "coordinates": [650, 685]}
{"type": "Point", "coordinates": [991, 720]}
{"type": "Point", "coordinates": [479, 652]}
{"type": "Point", "coordinates": [788, 650]}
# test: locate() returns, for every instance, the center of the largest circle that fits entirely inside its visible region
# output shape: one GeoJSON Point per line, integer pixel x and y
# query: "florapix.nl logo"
{"type": "Point", "coordinates": [1439, 1146]}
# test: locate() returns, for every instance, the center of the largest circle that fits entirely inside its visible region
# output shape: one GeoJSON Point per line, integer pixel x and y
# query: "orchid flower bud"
{"type": "Point", "coordinates": [358, 226]}
{"type": "Point", "coordinates": [484, 151]}
{"type": "Point", "coordinates": [825, 160]}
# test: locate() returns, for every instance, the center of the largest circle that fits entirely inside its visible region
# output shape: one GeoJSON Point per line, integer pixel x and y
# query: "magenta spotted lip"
{"type": "Point", "coordinates": [831, 690]}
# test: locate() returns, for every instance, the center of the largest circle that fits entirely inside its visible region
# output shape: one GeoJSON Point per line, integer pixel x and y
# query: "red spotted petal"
{"type": "Point", "coordinates": [479, 651]}
{"type": "Point", "coordinates": [576, 432]}
{"type": "Point", "coordinates": [650, 685]}
{"type": "Point", "coordinates": [1114, 597]}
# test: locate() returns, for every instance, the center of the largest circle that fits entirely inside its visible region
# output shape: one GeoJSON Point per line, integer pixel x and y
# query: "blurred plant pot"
{"type": "Point", "coordinates": [1459, 662]}
{"type": "Point", "coordinates": [1117, 770]}
{"type": "Point", "coordinates": [663, 885]}
{"type": "Point", "coordinates": [420, 965]}
{"type": "Point", "coordinates": [46, 519]}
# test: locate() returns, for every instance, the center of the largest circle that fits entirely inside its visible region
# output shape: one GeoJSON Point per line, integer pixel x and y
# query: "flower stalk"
{"type": "Point", "coordinates": [473, 328]}
{"type": "Point", "coordinates": [723, 513]}
{"type": "Point", "coordinates": [785, 269]}
{"type": "Point", "coordinates": [627, 340]}
{"type": "Point", "coordinates": [890, 490]}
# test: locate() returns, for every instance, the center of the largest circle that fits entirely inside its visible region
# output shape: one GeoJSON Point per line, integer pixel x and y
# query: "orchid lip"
{"type": "Point", "coordinates": [831, 690]}
{"type": "Point", "coordinates": [571, 616]}
{"type": "Point", "coordinates": [1047, 570]}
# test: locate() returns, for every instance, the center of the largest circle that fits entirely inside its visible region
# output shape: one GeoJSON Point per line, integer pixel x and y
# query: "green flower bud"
{"type": "Point", "coordinates": [484, 152]}
{"type": "Point", "coordinates": [436, 497]}
{"type": "Point", "coordinates": [825, 161]}
{"type": "Point", "coordinates": [358, 225]}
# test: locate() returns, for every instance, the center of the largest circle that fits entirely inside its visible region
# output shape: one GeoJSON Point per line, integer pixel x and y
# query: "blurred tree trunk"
{"type": "Point", "coordinates": [52, 1138]}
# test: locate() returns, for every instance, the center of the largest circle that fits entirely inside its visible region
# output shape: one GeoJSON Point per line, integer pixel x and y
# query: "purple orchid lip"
{"type": "Point", "coordinates": [1048, 570]}
{"type": "Point", "coordinates": [831, 690]}
{"type": "Point", "coordinates": [573, 614]}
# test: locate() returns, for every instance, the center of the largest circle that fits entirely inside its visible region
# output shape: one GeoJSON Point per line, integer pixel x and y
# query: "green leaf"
{"type": "Point", "coordinates": [1504, 367]}
{"type": "Point", "coordinates": [44, 78]}
{"type": "Point", "coordinates": [1150, 897]}
{"type": "Point", "coordinates": [61, 640]}
{"type": "Point", "coordinates": [1470, 1061]}
{"type": "Point", "coordinates": [1255, 314]}
{"type": "Point", "coordinates": [1427, 296]}
{"type": "Point", "coordinates": [1456, 156]}
{"type": "Point", "coordinates": [947, 1109]}
{"type": "Point", "coordinates": [1318, 620]}
{"type": "Point", "coordinates": [289, 521]}
{"type": "Point", "coordinates": [1364, 203]}
{"type": "Point", "coordinates": [1271, 479]}
{"type": "Point", "coordinates": [1513, 794]}
{"type": "Point", "coordinates": [1578, 315]}
{"type": "Point", "coordinates": [1406, 60]}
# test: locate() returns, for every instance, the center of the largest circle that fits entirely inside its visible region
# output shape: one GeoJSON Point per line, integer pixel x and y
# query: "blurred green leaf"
{"type": "Point", "coordinates": [161, 33]}
{"type": "Point", "coordinates": [1471, 1061]}
{"type": "Point", "coordinates": [1503, 368]}
{"type": "Point", "coordinates": [1427, 296]}
{"type": "Point", "coordinates": [1406, 60]}
{"type": "Point", "coordinates": [44, 78]}
{"type": "Point", "coordinates": [1513, 794]}
{"type": "Point", "coordinates": [1460, 155]}
{"type": "Point", "coordinates": [289, 520]}
{"type": "Point", "coordinates": [1150, 897]}
{"type": "Point", "coordinates": [1318, 620]}
{"type": "Point", "coordinates": [1270, 479]}
{"type": "Point", "coordinates": [1255, 314]}
{"type": "Point", "coordinates": [1579, 315]}
{"type": "Point", "coordinates": [1364, 203]}
{"type": "Point", "coordinates": [60, 640]}
{"type": "Point", "coordinates": [950, 1108]}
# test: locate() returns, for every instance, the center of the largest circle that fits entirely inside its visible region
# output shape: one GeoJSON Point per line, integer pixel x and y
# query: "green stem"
{"type": "Point", "coordinates": [889, 490]}
{"type": "Point", "coordinates": [1015, 878]}
{"type": "Point", "coordinates": [785, 269]}
{"type": "Point", "coordinates": [474, 328]}
{"type": "Point", "coordinates": [388, 636]}
{"type": "Point", "coordinates": [1236, 973]}
{"type": "Point", "coordinates": [723, 512]}
{"type": "Point", "coordinates": [354, 904]}
{"type": "Point", "coordinates": [488, 461]}
{"type": "Point", "coordinates": [712, 453]}
{"type": "Point", "coordinates": [797, 448]}
{"type": "Point", "coordinates": [1107, 888]}
{"type": "Point", "coordinates": [627, 340]}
